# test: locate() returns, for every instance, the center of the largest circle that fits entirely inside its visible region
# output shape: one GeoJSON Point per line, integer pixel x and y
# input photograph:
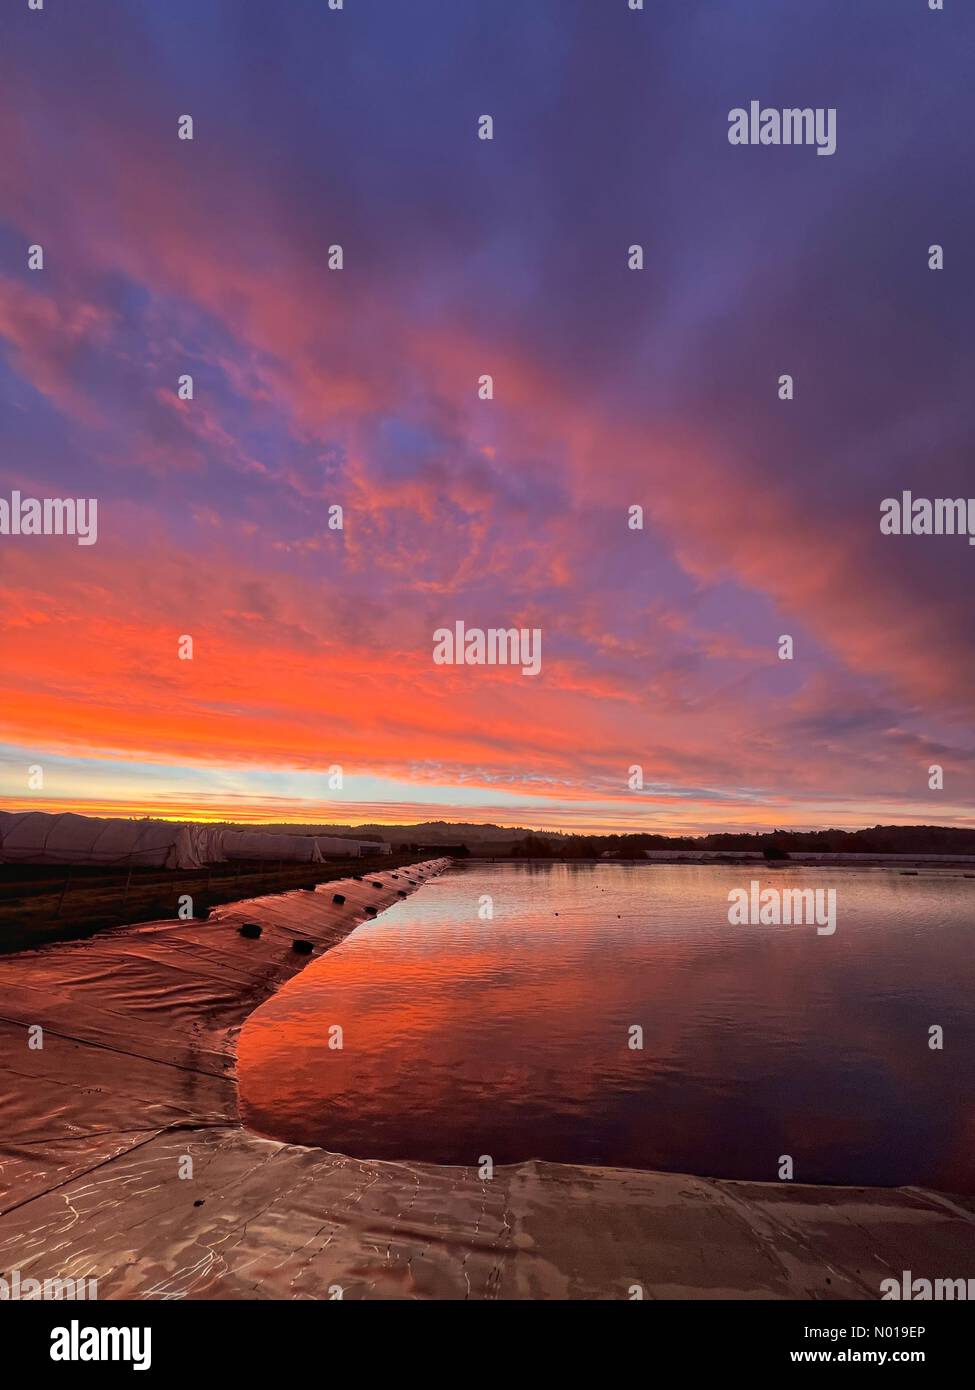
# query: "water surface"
{"type": "Point", "coordinates": [510, 1037]}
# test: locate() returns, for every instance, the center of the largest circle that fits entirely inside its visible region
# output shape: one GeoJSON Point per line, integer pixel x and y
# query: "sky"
{"type": "Point", "coordinates": [613, 388]}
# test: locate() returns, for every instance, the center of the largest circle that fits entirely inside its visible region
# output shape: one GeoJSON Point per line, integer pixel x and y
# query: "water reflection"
{"type": "Point", "coordinates": [510, 1036]}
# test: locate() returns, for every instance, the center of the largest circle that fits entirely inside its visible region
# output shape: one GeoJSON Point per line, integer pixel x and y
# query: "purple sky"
{"type": "Point", "coordinates": [612, 388]}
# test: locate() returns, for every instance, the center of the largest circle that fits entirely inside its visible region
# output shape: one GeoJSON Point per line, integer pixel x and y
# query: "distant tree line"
{"type": "Point", "coordinates": [774, 844]}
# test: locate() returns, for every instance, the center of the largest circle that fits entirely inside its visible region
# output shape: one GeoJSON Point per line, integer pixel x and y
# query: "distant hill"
{"type": "Point", "coordinates": [425, 832]}
{"type": "Point", "coordinates": [878, 839]}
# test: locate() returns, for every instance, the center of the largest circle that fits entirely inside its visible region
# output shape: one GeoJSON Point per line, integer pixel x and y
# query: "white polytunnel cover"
{"type": "Point", "coordinates": [210, 843]}
{"type": "Point", "coordinates": [37, 837]}
{"type": "Point", "coordinates": [334, 847]}
{"type": "Point", "coordinates": [259, 844]}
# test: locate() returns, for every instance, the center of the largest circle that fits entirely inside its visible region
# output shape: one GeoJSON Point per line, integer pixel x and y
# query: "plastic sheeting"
{"type": "Point", "coordinates": [211, 843]}
{"type": "Point", "coordinates": [334, 847]}
{"type": "Point", "coordinates": [261, 844]}
{"type": "Point", "coordinates": [36, 837]}
{"type": "Point", "coordinates": [136, 1074]}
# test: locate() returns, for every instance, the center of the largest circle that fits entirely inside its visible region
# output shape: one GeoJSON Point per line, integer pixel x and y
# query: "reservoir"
{"type": "Point", "coordinates": [610, 1014]}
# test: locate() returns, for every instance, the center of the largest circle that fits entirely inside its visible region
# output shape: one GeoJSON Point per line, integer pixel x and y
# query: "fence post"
{"type": "Point", "coordinates": [63, 891]}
